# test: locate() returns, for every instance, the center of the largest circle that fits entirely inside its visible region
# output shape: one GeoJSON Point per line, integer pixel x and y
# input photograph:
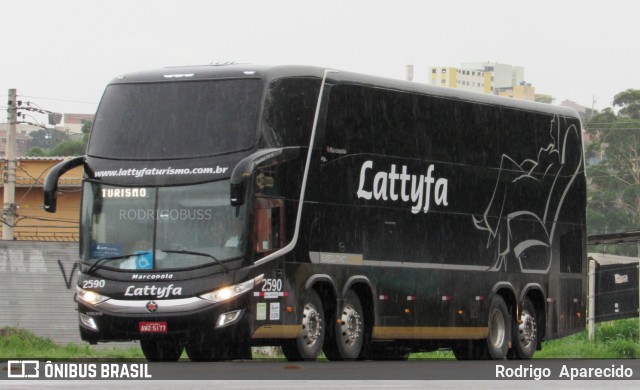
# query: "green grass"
{"type": "Point", "coordinates": [20, 343]}
{"type": "Point", "coordinates": [613, 340]}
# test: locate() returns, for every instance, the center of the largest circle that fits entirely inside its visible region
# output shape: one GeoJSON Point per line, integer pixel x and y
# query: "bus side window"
{"type": "Point", "coordinates": [268, 226]}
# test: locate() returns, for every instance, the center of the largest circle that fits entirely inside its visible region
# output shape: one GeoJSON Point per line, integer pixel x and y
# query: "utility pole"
{"type": "Point", "coordinates": [9, 209]}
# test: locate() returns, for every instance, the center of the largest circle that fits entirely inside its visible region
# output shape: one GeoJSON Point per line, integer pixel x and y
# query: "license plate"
{"type": "Point", "coordinates": [152, 327]}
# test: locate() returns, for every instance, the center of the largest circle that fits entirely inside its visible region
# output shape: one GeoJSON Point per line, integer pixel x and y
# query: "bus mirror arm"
{"type": "Point", "coordinates": [247, 166]}
{"type": "Point", "coordinates": [51, 181]}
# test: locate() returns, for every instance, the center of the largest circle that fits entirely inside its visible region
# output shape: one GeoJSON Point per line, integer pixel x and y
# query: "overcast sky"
{"type": "Point", "coordinates": [67, 50]}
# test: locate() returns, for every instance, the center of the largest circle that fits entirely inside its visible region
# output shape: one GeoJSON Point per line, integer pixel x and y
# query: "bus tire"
{"type": "Point", "coordinates": [499, 336]}
{"type": "Point", "coordinates": [349, 330]}
{"type": "Point", "coordinates": [227, 350]}
{"type": "Point", "coordinates": [308, 345]}
{"type": "Point", "coordinates": [161, 350]}
{"type": "Point", "coordinates": [525, 332]}
{"type": "Point", "coordinates": [470, 350]}
{"type": "Point", "coordinates": [201, 351]}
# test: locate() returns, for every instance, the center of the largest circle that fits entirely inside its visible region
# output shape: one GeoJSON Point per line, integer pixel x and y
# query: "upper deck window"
{"type": "Point", "coordinates": [175, 119]}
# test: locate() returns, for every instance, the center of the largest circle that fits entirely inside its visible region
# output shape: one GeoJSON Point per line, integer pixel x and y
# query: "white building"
{"type": "Point", "coordinates": [503, 75]}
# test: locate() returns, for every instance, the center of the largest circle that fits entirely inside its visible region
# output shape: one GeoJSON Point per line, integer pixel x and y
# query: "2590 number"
{"type": "Point", "coordinates": [271, 285]}
{"type": "Point", "coordinates": [93, 284]}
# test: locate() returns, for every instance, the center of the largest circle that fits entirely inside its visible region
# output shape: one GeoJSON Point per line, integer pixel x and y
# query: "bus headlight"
{"type": "Point", "coordinates": [232, 291]}
{"type": "Point", "coordinates": [90, 297]}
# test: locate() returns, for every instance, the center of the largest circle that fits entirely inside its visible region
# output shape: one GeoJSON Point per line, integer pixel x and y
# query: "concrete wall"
{"type": "Point", "coordinates": [37, 287]}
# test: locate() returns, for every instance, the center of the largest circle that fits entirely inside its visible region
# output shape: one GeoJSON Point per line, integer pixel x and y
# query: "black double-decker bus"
{"type": "Point", "coordinates": [226, 207]}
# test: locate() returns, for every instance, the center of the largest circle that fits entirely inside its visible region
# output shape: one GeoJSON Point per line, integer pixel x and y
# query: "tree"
{"type": "Point", "coordinates": [49, 142]}
{"type": "Point", "coordinates": [36, 152]}
{"type": "Point", "coordinates": [629, 100]}
{"type": "Point", "coordinates": [47, 138]}
{"type": "Point", "coordinates": [614, 190]}
{"type": "Point", "coordinates": [68, 148]}
{"type": "Point", "coordinates": [86, 129]}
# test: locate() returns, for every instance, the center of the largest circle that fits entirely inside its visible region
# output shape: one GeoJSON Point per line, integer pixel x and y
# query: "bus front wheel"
{"type": "Point", "coordinates": [161, 350]}
{"type": "Point", "coordinates": [308, 345]}
{"type": "Point", "coordinates": [200, 350]}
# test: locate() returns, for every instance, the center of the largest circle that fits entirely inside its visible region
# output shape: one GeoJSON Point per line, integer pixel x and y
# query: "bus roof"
{"type": "Point", "coordinates": [273, 72]}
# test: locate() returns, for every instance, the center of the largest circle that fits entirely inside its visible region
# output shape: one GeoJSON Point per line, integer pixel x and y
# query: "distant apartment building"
{"type": "Point", "coordinates": [73, 123]}
{"type": "Point", "coordinates": [474, 80]}
{"type": "Point", "coordinates": [444, 77]}
{"type": "Point", "coordinates": [503, 75]}
{"type": "Point", "coordinates": [523, 91]}
{"type": "Point", "coordinates": [485, 77]}
{"type": "Point", "coordinates": [468, 80]}
{"type": "Point", "coordinates": [23, 140]}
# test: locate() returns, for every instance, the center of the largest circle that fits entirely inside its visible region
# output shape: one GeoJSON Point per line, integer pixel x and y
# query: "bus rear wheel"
{"type": "Point", "coordinates": [525, 332]}
{"type": "Point", "coordinates": [499, 335]}
{"type": "Point", "coordinates": [470, 350]}
{"type": "Point", "coordinates": [308, 345]}
{"type": "Point", "coordinates": [348, 334]}
{"type": "Point", "coordinates": [161, 350]}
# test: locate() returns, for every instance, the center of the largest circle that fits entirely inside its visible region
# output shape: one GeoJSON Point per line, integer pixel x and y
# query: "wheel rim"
{"type": "Point", "coordinates": [350, 325]}
{"type": "Point", "coordinates": [527, 329]}
{"type": "Point", "coordinates": [311, 325]}
{"type": "Point", "coordinates": [497, 329]}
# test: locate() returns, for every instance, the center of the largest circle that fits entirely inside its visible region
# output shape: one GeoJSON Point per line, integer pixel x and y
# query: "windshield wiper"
{"type": "Point", "coordinates": [184, 252]}
{"type": "Point", "coordinates": [99, 262]}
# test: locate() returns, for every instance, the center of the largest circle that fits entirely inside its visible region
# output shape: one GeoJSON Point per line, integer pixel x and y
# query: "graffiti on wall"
{"type": "Point", "coordinates": [22, 259]}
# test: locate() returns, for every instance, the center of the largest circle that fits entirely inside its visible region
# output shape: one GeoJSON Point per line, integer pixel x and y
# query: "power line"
{"type": "Point", "coordinates": [58, 100]}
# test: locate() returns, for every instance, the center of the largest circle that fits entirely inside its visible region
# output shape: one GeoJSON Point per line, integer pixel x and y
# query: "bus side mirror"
{"type": "Point", "coordinates": [237, 193]}
{"type": "Point", "coordinates": [244, 170]}
{"type": "Point", "coordinates": [51, 182]}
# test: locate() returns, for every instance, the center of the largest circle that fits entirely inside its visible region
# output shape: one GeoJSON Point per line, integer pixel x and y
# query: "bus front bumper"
{"type": "Point", "coordinates": [179, 319]}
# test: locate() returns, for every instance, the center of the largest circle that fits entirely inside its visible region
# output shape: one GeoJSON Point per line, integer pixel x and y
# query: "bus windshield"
{"type": "Point", "coordinates": [160, 228]}
{"type": "Point", "coordinates": [171, 120]}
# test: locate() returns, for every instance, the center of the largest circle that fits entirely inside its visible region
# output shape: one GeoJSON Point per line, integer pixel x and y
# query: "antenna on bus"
{"type": "Point", "coordinates": [222, 63]}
